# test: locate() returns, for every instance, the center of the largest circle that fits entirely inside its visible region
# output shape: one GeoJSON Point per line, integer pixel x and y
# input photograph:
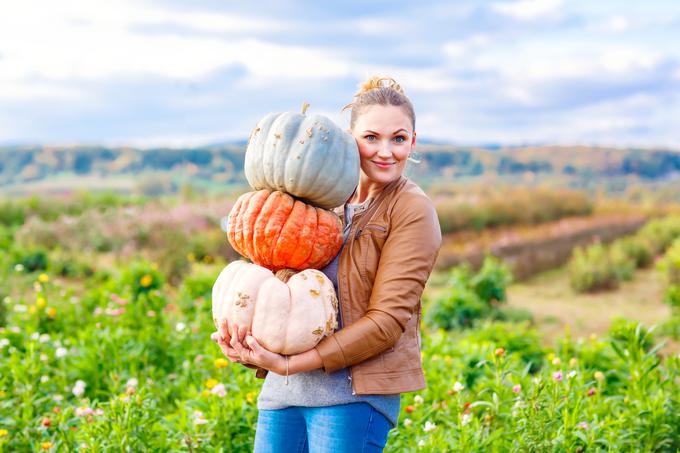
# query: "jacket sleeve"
{"type": "Point", "coordinates": [406, 260]}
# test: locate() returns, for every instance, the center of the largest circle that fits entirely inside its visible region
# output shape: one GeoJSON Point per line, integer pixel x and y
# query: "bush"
{"type": "Point", "coordinates": [470, 297]}
{"type": "Point", "coordinates": [31, 259]}
{"type": "Point", "coordinates": [638, 248]}
{"type": "Point", "coordinates": [140, 278]}
{"type": "Point", "coordinates": [591, 269]}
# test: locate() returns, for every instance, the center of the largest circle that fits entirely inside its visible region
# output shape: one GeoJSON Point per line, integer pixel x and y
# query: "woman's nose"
{"type": "Point", "coordinates": [385, 149]}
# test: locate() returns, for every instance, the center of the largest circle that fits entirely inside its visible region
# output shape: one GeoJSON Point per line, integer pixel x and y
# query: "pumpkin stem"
{"type": "Point", "coordinates": [285, 274]}
{"type": "Point", "coordinates": [305, 106]}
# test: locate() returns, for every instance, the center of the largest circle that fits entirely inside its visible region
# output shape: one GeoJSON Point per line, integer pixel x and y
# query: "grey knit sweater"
{"type": "Point", "coordinates": [318, 388]}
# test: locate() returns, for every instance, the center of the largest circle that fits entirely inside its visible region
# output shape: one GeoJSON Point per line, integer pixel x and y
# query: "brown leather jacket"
{"type": "Point", "coordinates": [383, 267]}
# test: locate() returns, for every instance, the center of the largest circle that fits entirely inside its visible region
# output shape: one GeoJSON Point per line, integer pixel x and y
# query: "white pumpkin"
{"type": "Point", "coordinates": [307, 156]}
{"type": "Point", "coordinates": [286, 318]}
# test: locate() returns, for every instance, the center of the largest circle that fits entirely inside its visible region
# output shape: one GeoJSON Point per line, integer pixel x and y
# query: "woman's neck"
{"type": "Point", "coordinates": [366, 189]}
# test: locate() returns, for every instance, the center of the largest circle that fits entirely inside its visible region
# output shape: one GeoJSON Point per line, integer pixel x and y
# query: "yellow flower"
{"type": "Point", "coordinates": [2, 394]}
{"type": "Point", "coordinates": [207, 259]}
{"type": "Point", "coordinates": [250, 397]}
{"type": "Point", "coordinates": [205, 392]}
{"type": "Point", "coordinates": [51, 312]}
{"type": "Point", "coordinates": [32, 309]}
{"type": "Point", "coordinates": [573, 362]}
{"type": "Point", "coordinates": [46, 445]}
{"type": "Point", "coordinates": [3, 432]}
{"type": "Point", "coordinates": [210, 383]}
{"type": "Point", "coordinates": [599, 375]}
{"type": "Point", "coordinates": [146, 281]}
{"type": "Point", "coordinates": [191, 257]}
{"type": "Point", "coordinates": [43, 278]}
{"type": "Point", "coordinates": [221, 363]}
{"type": "Point", "coordinates": [41, 302]}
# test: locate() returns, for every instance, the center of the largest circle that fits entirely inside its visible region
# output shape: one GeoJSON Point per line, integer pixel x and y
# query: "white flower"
{"type": "Point", "coordinates": [79, 388]}
{"type": "Point", "coordinates": [57, 343]}
{"type": "Point", "coordinates": [4, 342]}
{"type": "Point", "coordinates": [408, 422]}
{"type": "Point", "coordinates": [421, 443]}
{"type": "Point", "coordinates": [19, 267]}
{"type": "Point", "coordinates": [198, 418]}
{"type": "Point", "coordinates": [465, 419]}
{"type": "Point", "coordinates": [132, 382]}
{"type": "Point", "coordinates": [80, 411]}
{"type": "Point", "coordinates": [429, 426]}
{"type": "Point", "coordinates": [35, 336]}
{"type": "Point", "coordinates": [180, 326]}
{"type": "Point", "coordinates": [186, 364]}
{"type": "Point", "coordinates": [44, 358]}
{"type": "Point", "coordinates": [44, 379]}
{"type": "Point", "coordinates": [57, 398]}
{"type": "Point", "coordinates": [571, 374]}
{"type": "Point", "coordinates": [418, 399]}
{"type": "Point", "coordinates": [44, 338]}
{"type": "Point", "coordinates": [7, 300]}
{"type": "Point", "coordinates": [20, 308]}
{"type": "Point", "coordinates": [219, 390]}
{"type": "Point", "coordinates": [457, 387]}
{"type": "Point", "coordinates": [61, 352]}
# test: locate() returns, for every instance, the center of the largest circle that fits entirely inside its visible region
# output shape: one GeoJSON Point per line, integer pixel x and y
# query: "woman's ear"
{"type": "Point", "coordinates": [413, 139]}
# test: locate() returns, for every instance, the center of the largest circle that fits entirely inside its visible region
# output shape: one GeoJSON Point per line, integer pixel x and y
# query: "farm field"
{"type": "Point", "coordinates": [129, 279]}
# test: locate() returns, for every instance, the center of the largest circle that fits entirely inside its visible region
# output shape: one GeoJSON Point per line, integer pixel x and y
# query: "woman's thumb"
{"type": "Point", "coordinates": [252, 342]}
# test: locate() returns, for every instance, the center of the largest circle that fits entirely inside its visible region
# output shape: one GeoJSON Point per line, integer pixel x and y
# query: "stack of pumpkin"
{"type": "Point", "coordinates": [299, 166]}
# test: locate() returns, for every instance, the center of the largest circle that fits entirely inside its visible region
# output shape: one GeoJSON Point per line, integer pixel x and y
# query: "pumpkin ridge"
{"type": "Point", "coordinates": [259, 229]}
{"type": "Point", "coordinates": [231, 222]}
{"type": "Point", "coordinates": [319, 172]}
{"type": "Point", "coordinates": [249, 227]}
{"type": "Point", "coordinates": [289, 237]}
{"type": "Point", "coordinates": [278, 215]}
{"type": "Point", "coordinates": [270, 148]}
{"type": "Point", "coordinates": [310, 239]}
{"type": "Point", "coordinates": [291, 129]}
{"type": "Point", "coordinates": [327, 184]}
{"type": "Point", "coordinates": [238, 232]}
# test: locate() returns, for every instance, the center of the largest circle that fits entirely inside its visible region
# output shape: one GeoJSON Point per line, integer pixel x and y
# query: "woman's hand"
{"type": "Point", "coordinates": [253, 353]}
{"type": "Point", "coordinates": [223, 340]}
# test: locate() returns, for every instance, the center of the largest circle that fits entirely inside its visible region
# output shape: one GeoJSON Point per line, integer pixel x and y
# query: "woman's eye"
{"type": "Point", "coordinates": [369, 138]}
{"type": "Point", "coordinates": [400, 139]}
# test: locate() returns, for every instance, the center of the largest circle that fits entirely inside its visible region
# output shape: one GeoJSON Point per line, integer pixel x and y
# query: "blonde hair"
{"type": "Point", "coordinates": [375, 92]}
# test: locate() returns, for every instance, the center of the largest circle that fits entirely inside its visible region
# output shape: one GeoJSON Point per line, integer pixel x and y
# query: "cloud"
{"type": "Point", "coordinates": [154, 70]}
{"type": "Point", "coordinates": [528, 10]}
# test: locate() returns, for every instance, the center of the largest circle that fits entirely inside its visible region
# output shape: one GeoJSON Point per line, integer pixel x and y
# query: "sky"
{"type": "Point", "coordinates": [188, 73]}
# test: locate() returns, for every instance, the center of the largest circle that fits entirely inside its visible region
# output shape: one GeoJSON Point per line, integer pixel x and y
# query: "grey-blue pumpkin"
{"type": "Point", "coordinates": [307, 156]}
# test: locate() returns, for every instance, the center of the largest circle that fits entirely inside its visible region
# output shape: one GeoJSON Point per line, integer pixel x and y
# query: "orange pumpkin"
{"type": "Point", "coordinates": [276, 231]}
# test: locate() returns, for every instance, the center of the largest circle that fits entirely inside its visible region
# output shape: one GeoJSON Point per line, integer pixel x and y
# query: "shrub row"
{"type": "Point", "coordinates": [601, 267]}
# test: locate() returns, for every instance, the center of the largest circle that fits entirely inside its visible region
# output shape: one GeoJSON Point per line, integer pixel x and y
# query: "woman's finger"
{"type": "Point", "coordinates": [242, 331]}
{"type": "Point", "coordinates": [224, 330]}
{"type": "Point", "coordinates": [234, 338]}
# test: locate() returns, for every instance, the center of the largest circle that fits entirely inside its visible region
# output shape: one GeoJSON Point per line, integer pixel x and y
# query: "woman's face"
{"type": "Point", "coordinates": [385, 138]}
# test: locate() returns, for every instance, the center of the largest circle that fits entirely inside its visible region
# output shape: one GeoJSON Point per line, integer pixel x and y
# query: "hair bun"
{"type": "Point", "coordinates": [376, 82]}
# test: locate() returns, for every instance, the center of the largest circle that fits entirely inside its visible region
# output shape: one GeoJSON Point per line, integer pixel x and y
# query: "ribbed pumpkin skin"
{"type": "Point", "coordinates": [286, 318]}
{"type": "Point", "coordinates": [277, 232]}
{"type": "Point", "coordinates": [307, 156]}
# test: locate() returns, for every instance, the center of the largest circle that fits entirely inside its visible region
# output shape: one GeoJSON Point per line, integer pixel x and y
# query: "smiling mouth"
{"type": "Point", "coordinates": [384, 164]}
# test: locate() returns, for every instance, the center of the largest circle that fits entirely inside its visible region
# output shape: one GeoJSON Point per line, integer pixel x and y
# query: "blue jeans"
{"type": "Point", "coordinates": [354, 427]}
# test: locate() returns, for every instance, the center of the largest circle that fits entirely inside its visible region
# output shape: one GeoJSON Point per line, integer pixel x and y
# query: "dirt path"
{"type": "Point", "coordinates": [554, 304]}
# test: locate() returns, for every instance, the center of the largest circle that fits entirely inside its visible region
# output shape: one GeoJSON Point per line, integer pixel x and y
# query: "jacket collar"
{"type": "Point", "coordinates": [377, 201]}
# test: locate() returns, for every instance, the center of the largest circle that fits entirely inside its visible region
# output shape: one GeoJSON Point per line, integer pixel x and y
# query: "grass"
{"type": "Point", "coordinates": [557, 307]}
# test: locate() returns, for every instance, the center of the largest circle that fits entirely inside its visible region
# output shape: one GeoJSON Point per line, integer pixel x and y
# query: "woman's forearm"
{"type": "Point", "coordinates": [305, 361]}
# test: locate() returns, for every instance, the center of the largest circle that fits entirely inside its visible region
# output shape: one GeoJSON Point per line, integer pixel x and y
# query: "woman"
{"type": "Point", "coordinates": [344, 394]}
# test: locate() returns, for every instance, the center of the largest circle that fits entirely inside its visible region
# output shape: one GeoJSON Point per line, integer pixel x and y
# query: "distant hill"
{"type": "Point", "coordinates": [223, 163]}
